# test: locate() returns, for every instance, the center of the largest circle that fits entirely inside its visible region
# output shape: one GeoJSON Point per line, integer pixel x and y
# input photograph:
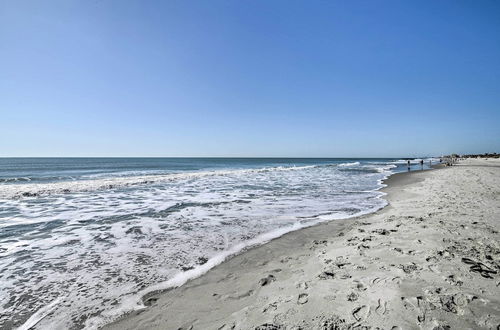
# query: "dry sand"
{"type": "Point", "coordinates": [430, 260]}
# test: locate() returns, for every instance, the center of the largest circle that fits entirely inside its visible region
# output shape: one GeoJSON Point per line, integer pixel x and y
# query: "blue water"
{"type": "Point", "coordinates": [82, 238]}
{"type": "Point", "coordinates": [39, 170]}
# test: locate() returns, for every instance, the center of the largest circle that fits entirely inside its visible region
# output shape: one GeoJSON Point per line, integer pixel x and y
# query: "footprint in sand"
{"type": "Point", "coordinates": [398, 250]}
{"type": "Point", "coordinates": [361, 313]}
{"type": "Point", "coordinates": [461, 300]}
{"type": "Point", "coordinates": [363, 247]}
{"type": "Point", "coordinates": [271, 307]}
{"type": "Point", "coordinates": [409, 268]}
{"type": "Point", "coordinates": [239, 296]}
{"type": "Point", "coordinates": [424, 306]}
{"type": "Point", "coordinates": [479, 267]}
{"type": "Point", "coordinates": [341, 262]}
{"type": "Point", "coordinates": [378, 280]}
{"type": "Point", "coordinates": [303, 298]}
{"type": "Point", "coordinates": [433, 268]}
{"type": "Point", "coordinates": [327, 274]}
{"type": "Point", "coordinates": [360, 286]}
{"type": "Point", "coordinates": [382, 307]}
{"type": "Point", "coordinates": [333, 322]}
{"type": "Point", "coordinates": [407, 304]}
{"type": "Point", "coordinates": [367, 238]}
{"type": "Point", "coordinates": [381, 231]}
{"type": "Point", "coordinates": [266, 280]}
{"type": "Point", "coordinates": [319, 242]}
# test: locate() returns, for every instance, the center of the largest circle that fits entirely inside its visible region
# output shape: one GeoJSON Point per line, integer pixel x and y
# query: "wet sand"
{"type": "Point", "coordinates": [429, 260]}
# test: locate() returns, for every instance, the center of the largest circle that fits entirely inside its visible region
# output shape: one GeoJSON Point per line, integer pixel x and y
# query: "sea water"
{"type": "Point", "coordinates": [82, 239]}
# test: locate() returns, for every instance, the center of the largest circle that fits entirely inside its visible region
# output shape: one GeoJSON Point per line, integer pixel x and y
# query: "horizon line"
{"type": "Point", "coordinates": [240, 157]}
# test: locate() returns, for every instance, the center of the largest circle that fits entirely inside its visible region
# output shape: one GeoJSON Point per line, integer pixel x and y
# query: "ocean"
{"type": "Point", "coordinates": [82, 239]}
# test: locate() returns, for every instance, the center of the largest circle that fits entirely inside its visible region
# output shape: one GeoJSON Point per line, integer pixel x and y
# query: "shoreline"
{"type": "Point", "coordinates": [148, 295]}
{"type": "Point", "coordinates": [390, 184]}
{"type": "Point", "coordinates": [401, 266]}
{"type": "Point", "coordinates": [184, 278]}
{"type": "Point", "coordinates": [53, 311]}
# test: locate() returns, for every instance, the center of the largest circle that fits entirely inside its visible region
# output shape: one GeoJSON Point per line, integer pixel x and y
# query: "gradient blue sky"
{"type": "Point", "coordinates": [249, 78]}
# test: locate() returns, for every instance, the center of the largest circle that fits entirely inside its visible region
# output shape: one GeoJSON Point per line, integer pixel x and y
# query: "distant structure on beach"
{"type": "Point", "coordinates": [485, 155]}
{"type": "Point", "coordinates": [449, 160]}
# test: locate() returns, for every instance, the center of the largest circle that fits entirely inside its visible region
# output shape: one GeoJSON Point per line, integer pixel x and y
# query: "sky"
{"type": "Point", "coordinates": [252, 78]}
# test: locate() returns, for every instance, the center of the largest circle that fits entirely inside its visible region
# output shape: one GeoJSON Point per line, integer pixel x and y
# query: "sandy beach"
{"type": "Point", "coordinates": [249, 165]}
{"type": "Point", "coordinates": [429, 260]}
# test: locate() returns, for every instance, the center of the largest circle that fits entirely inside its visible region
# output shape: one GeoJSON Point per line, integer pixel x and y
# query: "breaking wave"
{"type": "Point", "coordinates": [42, 189]}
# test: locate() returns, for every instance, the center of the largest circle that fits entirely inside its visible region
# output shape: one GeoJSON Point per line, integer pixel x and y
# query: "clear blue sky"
{"type": "Point", "coordinates": [249, 78]}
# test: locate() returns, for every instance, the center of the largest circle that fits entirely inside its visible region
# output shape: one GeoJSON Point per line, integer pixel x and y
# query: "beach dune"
{"type": "Point", "coordinates": [429, 260]}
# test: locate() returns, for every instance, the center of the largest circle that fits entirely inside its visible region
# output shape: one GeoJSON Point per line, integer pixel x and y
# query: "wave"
{"type": "Point", "coordinates": [348, 164]}
{"type": "Point", "coordinates": [368, 169]}
{"type": "Point", "coordinates": [122, 174]}
{"type": "Point", "coordinates": [41, 189]}
{"type": "Point", "coordinates": [360, 170]}
{"type": "Point", "coordinates": [386, 168]}
{"type": "Point", "coordinates": [40, 315]}
{"type": "Point", "coordinates": [11, 180]}
{"type": "Point", "coordinates": [207, 211]}
{"type": "Point", "coordinates": [36, 189]}
{"type": "Point", "coordinates": [135, 302]}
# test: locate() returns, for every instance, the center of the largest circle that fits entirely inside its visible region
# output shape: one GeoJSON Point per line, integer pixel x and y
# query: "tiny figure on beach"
{"type": "Point", "coordinates": [421, 164]}
{"type": "Point", "coordinates": [408, 165]}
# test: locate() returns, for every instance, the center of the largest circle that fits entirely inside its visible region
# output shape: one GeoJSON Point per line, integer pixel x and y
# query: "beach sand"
{"type": "Point", "coordinates": [429, 260]}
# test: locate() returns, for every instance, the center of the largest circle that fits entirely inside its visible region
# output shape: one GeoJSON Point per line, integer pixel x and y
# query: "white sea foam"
{"type": "Point", "coordinates": [40, 189]}
{"type": "Point", "coordinates": [39, 315]}
{"type": "Point", "coordinates": [349, 164]}
{"type": "Point", "coordinates": [146, 237]}
{"type": "Point", "coordinates": [135, 302]}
